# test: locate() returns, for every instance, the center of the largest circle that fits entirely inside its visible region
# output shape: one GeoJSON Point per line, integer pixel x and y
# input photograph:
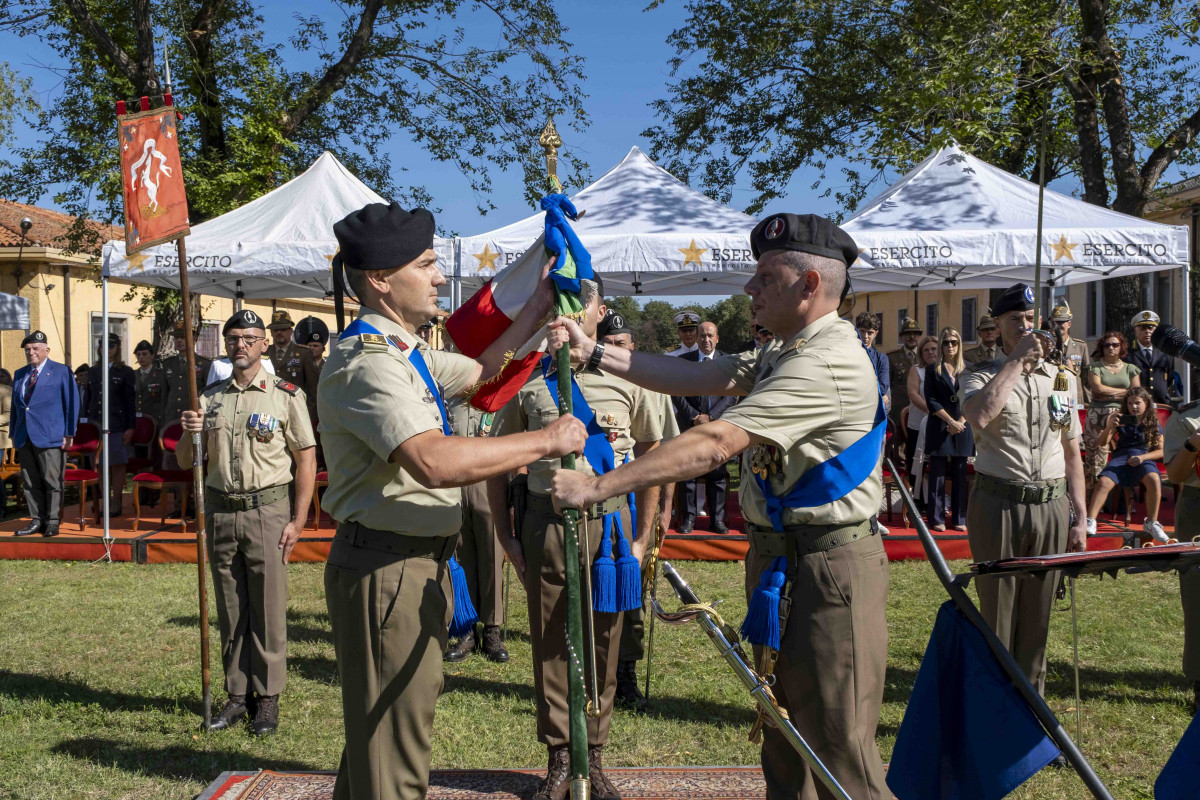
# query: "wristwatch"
{"type": "Point", "coordinates": [1191, 448]}
{"type": "Point", "coordinates": [597, 354]}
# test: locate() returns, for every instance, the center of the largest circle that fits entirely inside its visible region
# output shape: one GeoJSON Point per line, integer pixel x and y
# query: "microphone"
{"type": "Point", "coordinates": [1175, 342]}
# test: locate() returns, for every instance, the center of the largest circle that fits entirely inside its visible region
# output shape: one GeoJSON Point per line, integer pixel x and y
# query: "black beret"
{"type": "Point", "coordinates": [381, 237]}
{"type": "Point", "coordinates": [311, 329]}
{"type": "Point", "coordinates": [243, 319]}
{"type": "Point", "coordinates": [37, 337]}
{"type": "Point", "coordinates": [612, 324]}
{"type": "Point", "coordinates": [114, 340]}
{"type": "Point", "coordinates": [1018, 297]}
{"type": "Point", "coordinates": [143, 345]}
{"type": "Point", "coordinates": [807, 233]}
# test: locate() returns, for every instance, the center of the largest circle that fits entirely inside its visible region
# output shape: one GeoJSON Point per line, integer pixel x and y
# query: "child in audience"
{"type": "Point", "coordinates": [1136, 440]}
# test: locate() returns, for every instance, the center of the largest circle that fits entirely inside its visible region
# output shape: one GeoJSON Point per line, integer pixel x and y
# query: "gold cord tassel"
{"type": "Point", "coordinates": [1060, 380]}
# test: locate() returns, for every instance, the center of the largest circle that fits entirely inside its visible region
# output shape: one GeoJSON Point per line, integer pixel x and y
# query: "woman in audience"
{"type": "Point", "coordinates": [948, 439]}
{"type": "Point", "coordinates": [5, 443]}
{"type": "Point", "coordinates": [927, 353]}
{"type": "Point", "coordinates": [1136, 440]}
{"type": "Point", "coordinates": [1108, 379]}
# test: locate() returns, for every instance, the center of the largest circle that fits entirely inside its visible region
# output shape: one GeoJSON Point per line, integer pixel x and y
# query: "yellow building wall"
{"type": "Point", "coordinates": [950, 311]}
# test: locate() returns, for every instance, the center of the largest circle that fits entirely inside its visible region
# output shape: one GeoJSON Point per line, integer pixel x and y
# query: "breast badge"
{"type": "Point", "coordinates": [485, 424]}
{"type": "Point", "coordinates": [764, 460]}
{"type": "Point", "coordinates": [262, 427]}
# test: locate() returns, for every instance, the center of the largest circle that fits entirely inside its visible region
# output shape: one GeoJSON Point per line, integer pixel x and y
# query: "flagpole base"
{"type": "Point", "coordinates": [581, 789]}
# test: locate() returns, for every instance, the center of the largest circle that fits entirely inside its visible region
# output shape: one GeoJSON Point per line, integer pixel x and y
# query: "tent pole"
{"type": "Point", "coordinates": [1193, 262]}
{"type": "Point", "coordinates": [237, 299]}
{"type": "Point", "coordinates": [105, 489]}
{"type": "Point", "coordinates": [1037, 259]}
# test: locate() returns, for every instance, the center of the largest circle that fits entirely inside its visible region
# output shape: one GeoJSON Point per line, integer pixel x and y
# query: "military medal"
{"type": "Point", "coordinates": [1060, 413]}
{"type": "Point", "coordinates": [485, 424]}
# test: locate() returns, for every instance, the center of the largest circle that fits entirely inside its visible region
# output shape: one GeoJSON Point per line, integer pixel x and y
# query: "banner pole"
{"type": "Point", "coordinates": [197, 485]}
{"type": "Point", "coordinates": [105, 478]}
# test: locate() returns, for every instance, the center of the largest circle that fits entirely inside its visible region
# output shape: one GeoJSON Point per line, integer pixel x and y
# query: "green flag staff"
{"type": "Point", "coordinates": [576, 701]}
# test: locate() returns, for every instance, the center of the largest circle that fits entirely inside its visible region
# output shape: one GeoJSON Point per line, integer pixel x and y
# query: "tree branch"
{"type": "Point", "coordinates": [335, 77]}
{"type": "Point", "coordinates": [104, 43]}
{"type": "Point", "coordinates": [1169, 150]}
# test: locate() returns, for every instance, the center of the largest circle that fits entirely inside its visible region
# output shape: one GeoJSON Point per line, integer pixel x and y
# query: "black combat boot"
{"type": "Point", "coordinates": [266, 716]}
{"type": "Point", "coordinates": [493, 648]}
{"type": "Point", "coordinates": [602, 787]}
{"type": "Point", "coordinates": [628, 695]}
{"type": "Point", "coordinates": [557, 784]}
{"type": "Point", "coordinates": [234, 709]}
{"type": "Point", "coordinates": [464, 647]}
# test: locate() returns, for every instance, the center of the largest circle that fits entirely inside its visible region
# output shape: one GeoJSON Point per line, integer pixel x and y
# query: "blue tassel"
{"type": "Point", "coordinates": [629, 574]}
{"type": "Point", "coordinates": [604, 574]}
{"type": "Point", "coordinates": [761, 626]}
{"type": "Point", "coordinates": [465, 615]}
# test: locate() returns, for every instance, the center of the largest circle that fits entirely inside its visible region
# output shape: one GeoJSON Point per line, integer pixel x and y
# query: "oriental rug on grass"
{"type": "Point", "coordinates": [634, 783]}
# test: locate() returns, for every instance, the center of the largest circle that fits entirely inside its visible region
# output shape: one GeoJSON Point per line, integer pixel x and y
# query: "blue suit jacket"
{"type": "Point", "coordinates": [52, 411]}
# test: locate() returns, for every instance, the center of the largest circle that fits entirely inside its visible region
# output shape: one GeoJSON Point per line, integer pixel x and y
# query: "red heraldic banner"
{"type": "Point", "coordinates": [155, 201]}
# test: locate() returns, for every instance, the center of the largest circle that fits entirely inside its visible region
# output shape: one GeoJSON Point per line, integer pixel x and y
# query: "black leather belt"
{"type": "Point", "coordinates": [439, 548]}
{"type": "Point", "coordinates": [543, 504]}
{"type": "Point", "coordinates": [245, 501]}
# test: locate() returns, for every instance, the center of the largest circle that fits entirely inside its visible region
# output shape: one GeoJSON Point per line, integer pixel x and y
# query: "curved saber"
{"type": "Point", "coordinates": [727, 641]}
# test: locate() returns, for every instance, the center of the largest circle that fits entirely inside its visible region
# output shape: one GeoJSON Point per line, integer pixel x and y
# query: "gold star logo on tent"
{"type": "Point", "coordinates": [691, 253]}
{"type": "Point", "coordinates": [487, 259]}
{"type": "Point", "coordinates": [1063, 249]}
{"type": "Point", "coordinates": [137, 261]}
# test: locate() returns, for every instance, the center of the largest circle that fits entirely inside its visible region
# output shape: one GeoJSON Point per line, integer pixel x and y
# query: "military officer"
{"type": "Point", "coordinates": [632, 420]}
{"type": "Point", "coordinates": [806, 402]}
{"type": "Point", "coordinates": [175, 375]}
{"type": "Point", "coordinates": [989, 346]}
{"type": "Point", "coordinates": [479, 551]}
{"type": "Point", "coordinates": [251, 421]}
{"type": "Point", "coordinates": [313, 333]}
{"type": "Point", "coordinates": [1156, 366]}
{"type": "Point", "coordinates": [902, 360]}
{"type": "Point", "coordinates": [687, 325]}
{"type": "Point", "coordinates": [394, 478]}
{"type": "Point", "coordinates": [1074, 351]}
{"type": "Point", "coordinates": [292, 361]}
{"type": "Point", "coordinates": [122, 416]}
{"type": "Point", "coordinates": [150, 382]}
{"type": "Point", "coordinates": [1028, 474]}
{"type": "Point", "coordinates": [1181, 448]}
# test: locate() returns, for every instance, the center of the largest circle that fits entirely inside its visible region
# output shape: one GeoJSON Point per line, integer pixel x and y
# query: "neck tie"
{"type": "Point", "coordinates": [32, 382]}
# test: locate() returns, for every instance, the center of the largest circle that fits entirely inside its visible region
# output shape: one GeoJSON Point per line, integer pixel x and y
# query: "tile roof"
{"type": "Point", "coordinates": [49, 227]}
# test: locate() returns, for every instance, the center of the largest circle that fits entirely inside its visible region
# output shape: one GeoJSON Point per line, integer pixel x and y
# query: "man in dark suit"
{"type": "Point", "coordinates": [1156, 366]}
{"type": "Point", "coordinates": [122, 416]}
{"type": "Point", "coordinates": [698, 410]}
{"type": "Point", "coordinates": [45, 410]}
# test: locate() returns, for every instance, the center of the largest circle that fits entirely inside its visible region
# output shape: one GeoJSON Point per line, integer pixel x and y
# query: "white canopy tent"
{"type": "Point", "coordinates": [647, 232]}
{"type": "Point", "coordinates": [956, 222]}
{"type": "Point", "coordinates": [14, 312]}
{"type": "Point", "coordinates": [279, 245]}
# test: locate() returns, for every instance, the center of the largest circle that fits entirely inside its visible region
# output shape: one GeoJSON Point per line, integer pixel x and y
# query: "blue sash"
{"type": "Point", "coordinates": [358, 328]}
{"type": "Point", "coordinates": [833, 479]}
{"type": "Point", "coordinates": [597, 449]}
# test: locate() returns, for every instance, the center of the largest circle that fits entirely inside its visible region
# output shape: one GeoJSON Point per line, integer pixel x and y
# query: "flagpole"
{"type": "Point", "coordinates": [1037, 261]}
{"type": "Point", "coordinates": [576, 699]}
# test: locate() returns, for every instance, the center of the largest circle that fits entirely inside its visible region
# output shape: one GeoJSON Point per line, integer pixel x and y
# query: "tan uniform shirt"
{"type": "Point", "coordinates": [980, 353]}
{"type": "Point", "coordinates": [246, 453]}
{"type": "Point", "coordinates": [1076, 359]}
{"type": "Point", "coordinates": [1180, 427]}
{"type": "Point", "coordinates": [467, 420]}
{"type": "Point", "coordinates": [1019, 444]}
{"type": "Point", "coordinates": [811, 398]}
{"type": "Point", "coordinates": [901, 361]}
{"type": "Point", "coordinates": [626, 412]}
{"type": "Point", "coordinates": [370, 401]}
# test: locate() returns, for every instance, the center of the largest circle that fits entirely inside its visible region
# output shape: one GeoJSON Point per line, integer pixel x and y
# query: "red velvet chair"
{"type": "Point", "coordinates": [164, 480]}
{"type": "Point", "coordinates": [81, 478]}
{"type": "Point", "coordinates": [85, 443]}
{"type": "Point", "coordinates": [321, 482]}
{"type": "Point", "coordinates": [144, 429]}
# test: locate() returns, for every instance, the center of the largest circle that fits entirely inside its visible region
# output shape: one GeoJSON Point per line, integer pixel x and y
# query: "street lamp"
{"type": "Point", "coordinates": [26, 224]}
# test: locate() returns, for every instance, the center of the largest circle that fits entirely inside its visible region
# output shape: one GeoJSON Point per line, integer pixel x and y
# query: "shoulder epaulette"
{"type": "Point", "coordinates": [979, 366]}
{"type": "Point", "coordinates": [373, 342]}
{"type": "Point", "coordinates": [290, 388]}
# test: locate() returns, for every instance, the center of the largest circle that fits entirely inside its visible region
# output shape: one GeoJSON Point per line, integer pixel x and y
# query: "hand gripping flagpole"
{"type": "Point", "coordinates": [576, 699]}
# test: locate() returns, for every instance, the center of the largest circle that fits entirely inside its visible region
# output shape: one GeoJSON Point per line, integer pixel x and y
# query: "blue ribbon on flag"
{"type": "Point", "coordinates": [562, 240]}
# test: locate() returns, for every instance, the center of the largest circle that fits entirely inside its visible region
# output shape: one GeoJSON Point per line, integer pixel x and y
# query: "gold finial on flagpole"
{"type": "Point", "coordinates": [550, 142]}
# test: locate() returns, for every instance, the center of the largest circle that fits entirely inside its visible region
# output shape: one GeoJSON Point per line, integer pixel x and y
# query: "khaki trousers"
{"type": "Point", "coordinates": [1187, 525]}
{"type": "Point", "coordinates": [546, 594]}
{"type": "Point", "coordinates": [1018, 608]}
{"type": "Point", "coordinates": [830, 671]}
{"type": "Point", "coordinates": [250, 586]}
{"type": "Point", "coordinates": [481, 555]}
{"type": "Point", "coordinates": [390, 615]}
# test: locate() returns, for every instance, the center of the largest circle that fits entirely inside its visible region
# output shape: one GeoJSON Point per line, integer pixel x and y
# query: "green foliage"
{"type": "Point", "coordinates": [16, 102]}
{"type": "Point", "coordinates": [653, 324]}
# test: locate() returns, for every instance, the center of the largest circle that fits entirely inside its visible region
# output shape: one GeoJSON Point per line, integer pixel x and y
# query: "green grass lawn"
{"type": "Point", "coordinates": [99, 685]}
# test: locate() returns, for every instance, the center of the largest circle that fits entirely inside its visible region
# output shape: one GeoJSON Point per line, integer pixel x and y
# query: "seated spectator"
{"type": "Point", "coordinates": [948, 439]}
{"type": "Point", "coordinates": [1109, 380]}
{"type": "Point", "coordinates": [1137, 442]}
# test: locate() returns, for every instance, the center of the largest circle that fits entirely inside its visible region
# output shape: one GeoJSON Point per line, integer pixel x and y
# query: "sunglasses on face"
{"type": "Point", "coordinates": [1112, 344]}
{"type": "Point", "coordinates": [949, 344]}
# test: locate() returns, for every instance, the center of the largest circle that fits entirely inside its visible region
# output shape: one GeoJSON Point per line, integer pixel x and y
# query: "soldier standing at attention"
{"type": "Point", "coordinates": [150, 383]}
{"type": "Point", "coordinates": [479, 551]}
{"type": "Point", "coordinates": [394, 478]}
{"type": "Point", "coordinates": [989, 345]}
{"type": "Point", "coordinates": [252, 421]}
{"type": "Point", "coordinates": [687, 324]}
{"type": "Point", "coordinates": [293, 362]}
{"type": "Point", "coordinates": [806, 403]}
{"type": "Point", "coordinates": [1074, 351]}
{"type": "Point", "coordinates": [902, 360]}
{"type": "Point", "coordinates": [1181, 448]}
{"type": "Point", "coordinates": [122, 416]}
{"type": "Point", "coordinates": [632, 423]}
{"type": "Point", "coordinates": [1028, 475]}
{"type": "Point", "coordinates": [175, 373]}
{"type": "Point", "coordinates": [1156, 366]}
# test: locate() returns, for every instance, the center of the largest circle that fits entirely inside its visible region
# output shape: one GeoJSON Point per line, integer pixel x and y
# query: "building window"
{"type": "Point", "coordinates": [1095, 309]}
{"type": "Point", "coordinates": [931, 319]}
{"type": "Point", "coordinates": [118, 324]}
{"type": "Point", "coordinates": [209, 342]}
{"type": "Point", "coordinates": [968, 319]}
{"type": "Point", "coordinates": [901, 315]}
